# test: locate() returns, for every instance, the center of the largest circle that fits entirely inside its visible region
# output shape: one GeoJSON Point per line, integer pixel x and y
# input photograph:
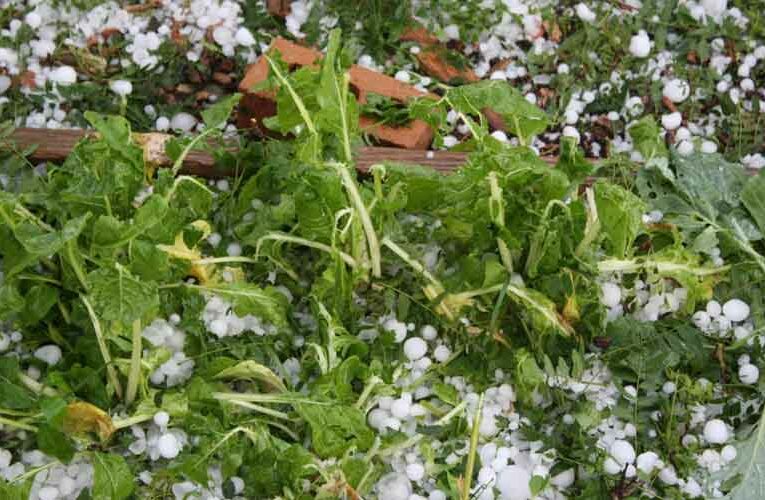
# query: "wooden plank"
{"type": "Point", "coordinates": [56, 144]}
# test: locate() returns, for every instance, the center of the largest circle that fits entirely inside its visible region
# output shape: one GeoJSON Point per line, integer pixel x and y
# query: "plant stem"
{"type": "Point", "coordinates": [111, 372]}
{"type": "Point", "coordinates": [366, 220]}
{"type": "Point", "coordinates": [473, 450]}
{"type": "Point", "coordinates": [295, 98]}
{"type": "Point", "coordinates": [308, 243]}
{"type": "Point", "coordinates": [19, 425]}
{"type": "Point", "coordinates": [134, 376]}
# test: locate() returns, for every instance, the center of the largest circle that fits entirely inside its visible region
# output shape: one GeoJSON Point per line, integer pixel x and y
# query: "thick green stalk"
{"type": "Point", "coordinates": [134, 376]}
{"type": "Point", "coordinates": [366, 221]}
{"type": "Point", "coordinates": [111, 372]}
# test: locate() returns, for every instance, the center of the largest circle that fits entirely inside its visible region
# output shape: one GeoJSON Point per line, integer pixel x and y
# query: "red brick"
{"type": "Point", "coordinates": [257, 105]}
{"type": "Point", "coordinates": [278, 8]}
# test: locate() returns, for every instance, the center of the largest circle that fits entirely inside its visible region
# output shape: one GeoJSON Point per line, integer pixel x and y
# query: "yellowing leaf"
{"type": "Point", "coordinates": [254, 371]}
{"type": "Point", "coordinates": [180, 250]}
{"type": "Point", "coordinates": [83, 418]}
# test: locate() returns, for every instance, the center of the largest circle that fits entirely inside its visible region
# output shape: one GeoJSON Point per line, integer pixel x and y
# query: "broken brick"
{"type": "Point", "coordinates": [419, 35]}
{"type": "Point", "coordinates": [432, 57]}
{"type": "Point", "coordinates": [432, 63]}
{"type": "Point", "coordinates": [278, 8]}
{"type": "Point", "coordinates": [257, 105]}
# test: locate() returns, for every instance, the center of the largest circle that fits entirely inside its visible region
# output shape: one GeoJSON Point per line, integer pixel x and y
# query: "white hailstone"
{"type": "Point", "coordinates": [5, 84]}
{"type": "Point", "coordinates": [48, 493]}
{"type": "Point", "coordinates": [63, 75]}
{"type": "Point", "coordinates": [564, 479]}
{"type": "Point", "coordinates": [613, 116]}
{"type": "Point", "coordinates": [571, 117]}
{"type": "Point", "coordinates": [612, 294]}
{"type": "Point", "coordinates": [611, 466]}
{"type": "Point", "coordinates": [647, 461]}
{"type": "Point", "coordinates": [713, 308]}
{"type": "Point", "coordinates": [499, 135]}
{"type": "Point", "coordinates": [223, 36]}
{"type": "Point", "coordinates": [415, 348]}
{"type": "Point", "coordinates": [377, 418]}
{"type": "Point", "coordinates": [162, 124]}
{"type": "Point", "coordinates": [715, 431]}
{"type": "Point", "coordinates": [692, 488]}
{"type": "Point", "coordinates": [685, 148]}
{"type": "Point", "coordinates": [513, 483]}
{"type": "Point", "coordinates": [450, 141]}
{"type": "Point", "coordinates": [748, 374]}
{"type": "Point", "coordinates": [183, 122]}
{"type": "Point", "coordinates": [736, 310]}
{"type": "Point", "coordinates": [584, 13]}
{"type": "Point", "coordinates": [669, 387]}
{"type": "Point", "coordinates": [428, 332]}
{"type": "Point", "coordinates": [714, 8]}
{"type": "Point", "coordinates": [33, 19]}
{"type": "Point", "coordinates": [672, 121]}
{"type": "Point", "coordinates": [676, 90]}
{"type": "Point", "coordinates": [452, 32]}
{"type": "Point", "coordinates": [589, 96]}
{"type": "Point", "coordinates": [563, 69]}
{"type": "Point", "coordinates": [214, 239]}
{"type": "Point", "coordinates": [400, 408]}
{"type": "Point", "coordinates": [403, 76]}
{"type": "Point", "coordinates": [640, 44]}
{"type": "Point", "coordinates": [441, 353]}
{"type": "Point", "coordinates": [161, 418]}
{"type": "Point", "coordinates": [747, 85]}
{"type": "Point", "coordinates": [708, 147]}
{"type": "Point", "coordinates": [168, 446]}
{"type": "Point", "coordinates": [415, 471]}
{"type": "Point", "coordinates": [570, 131]}
{"type": "Point", "coordinates": [244, 38]}
{"type": "Point", "coordinates": [394, 486]}
{"type": "Point", "coordinates": [728, 453]}
{"type": "Point", "coordinates": [121, 87]}
{"type": "Point", "coordinates": [398, 328]}
{"type": "Point", "coordinates": [50, 354]}
{"type": "Point", "coordinates": [437, 495]}
{"type": "Point", "coordinates": [622, 451]}
{"type": "Point", "coordinates": [223, 185]}
{"type": "Point", "coordinates": [238, 484]}
{"type": "Point", "coordinates": [234, 249]}
{"type": "Point", "coordinates": [668, 475]}
{"type": "Point", "coordinates": [498, 75]}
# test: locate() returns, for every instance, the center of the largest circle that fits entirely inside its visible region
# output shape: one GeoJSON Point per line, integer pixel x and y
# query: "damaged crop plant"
{"type": "Point", "coordinates": [510, 330]}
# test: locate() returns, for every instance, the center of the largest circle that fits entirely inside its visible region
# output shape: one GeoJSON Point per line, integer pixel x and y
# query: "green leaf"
{"type": "Point", "coordinates": [335, 428]}
{"type": "Point", "coordinates": [11, 301]}
{"type": "Point", "coordinates": [55, 443]}
{"type": "Point", "coordinates": [39, 299]}
{"type": "Point", "coordinates": [646, 135]}
{"type": "Point", "coordinates": [572, 162]}
{"type": "Point", "coordinates": [753, 198]}
{"type": "Point", "coordinates": [268, 304]}
{"type": "Point", "coordinates": [110, 232]}
{"type": "Point", "coordinates": [43, 243]}
{"type": "Point", "coordinates": [112, 478]}
{"type": "Point", "coordinates": [747, 468]}
{"type": "Point", "coordinates": [216, 115]}
{"type": "Point", "coordinates": [520, 116]}
{"type": "Point", "coordinates": [620, 213]}
{"type": "Point", "coordinates": [13, 395]}
{"type": "Point", "coordinates": [115, 131]}
{"type": "Point", "coordinates": [117, 295]}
